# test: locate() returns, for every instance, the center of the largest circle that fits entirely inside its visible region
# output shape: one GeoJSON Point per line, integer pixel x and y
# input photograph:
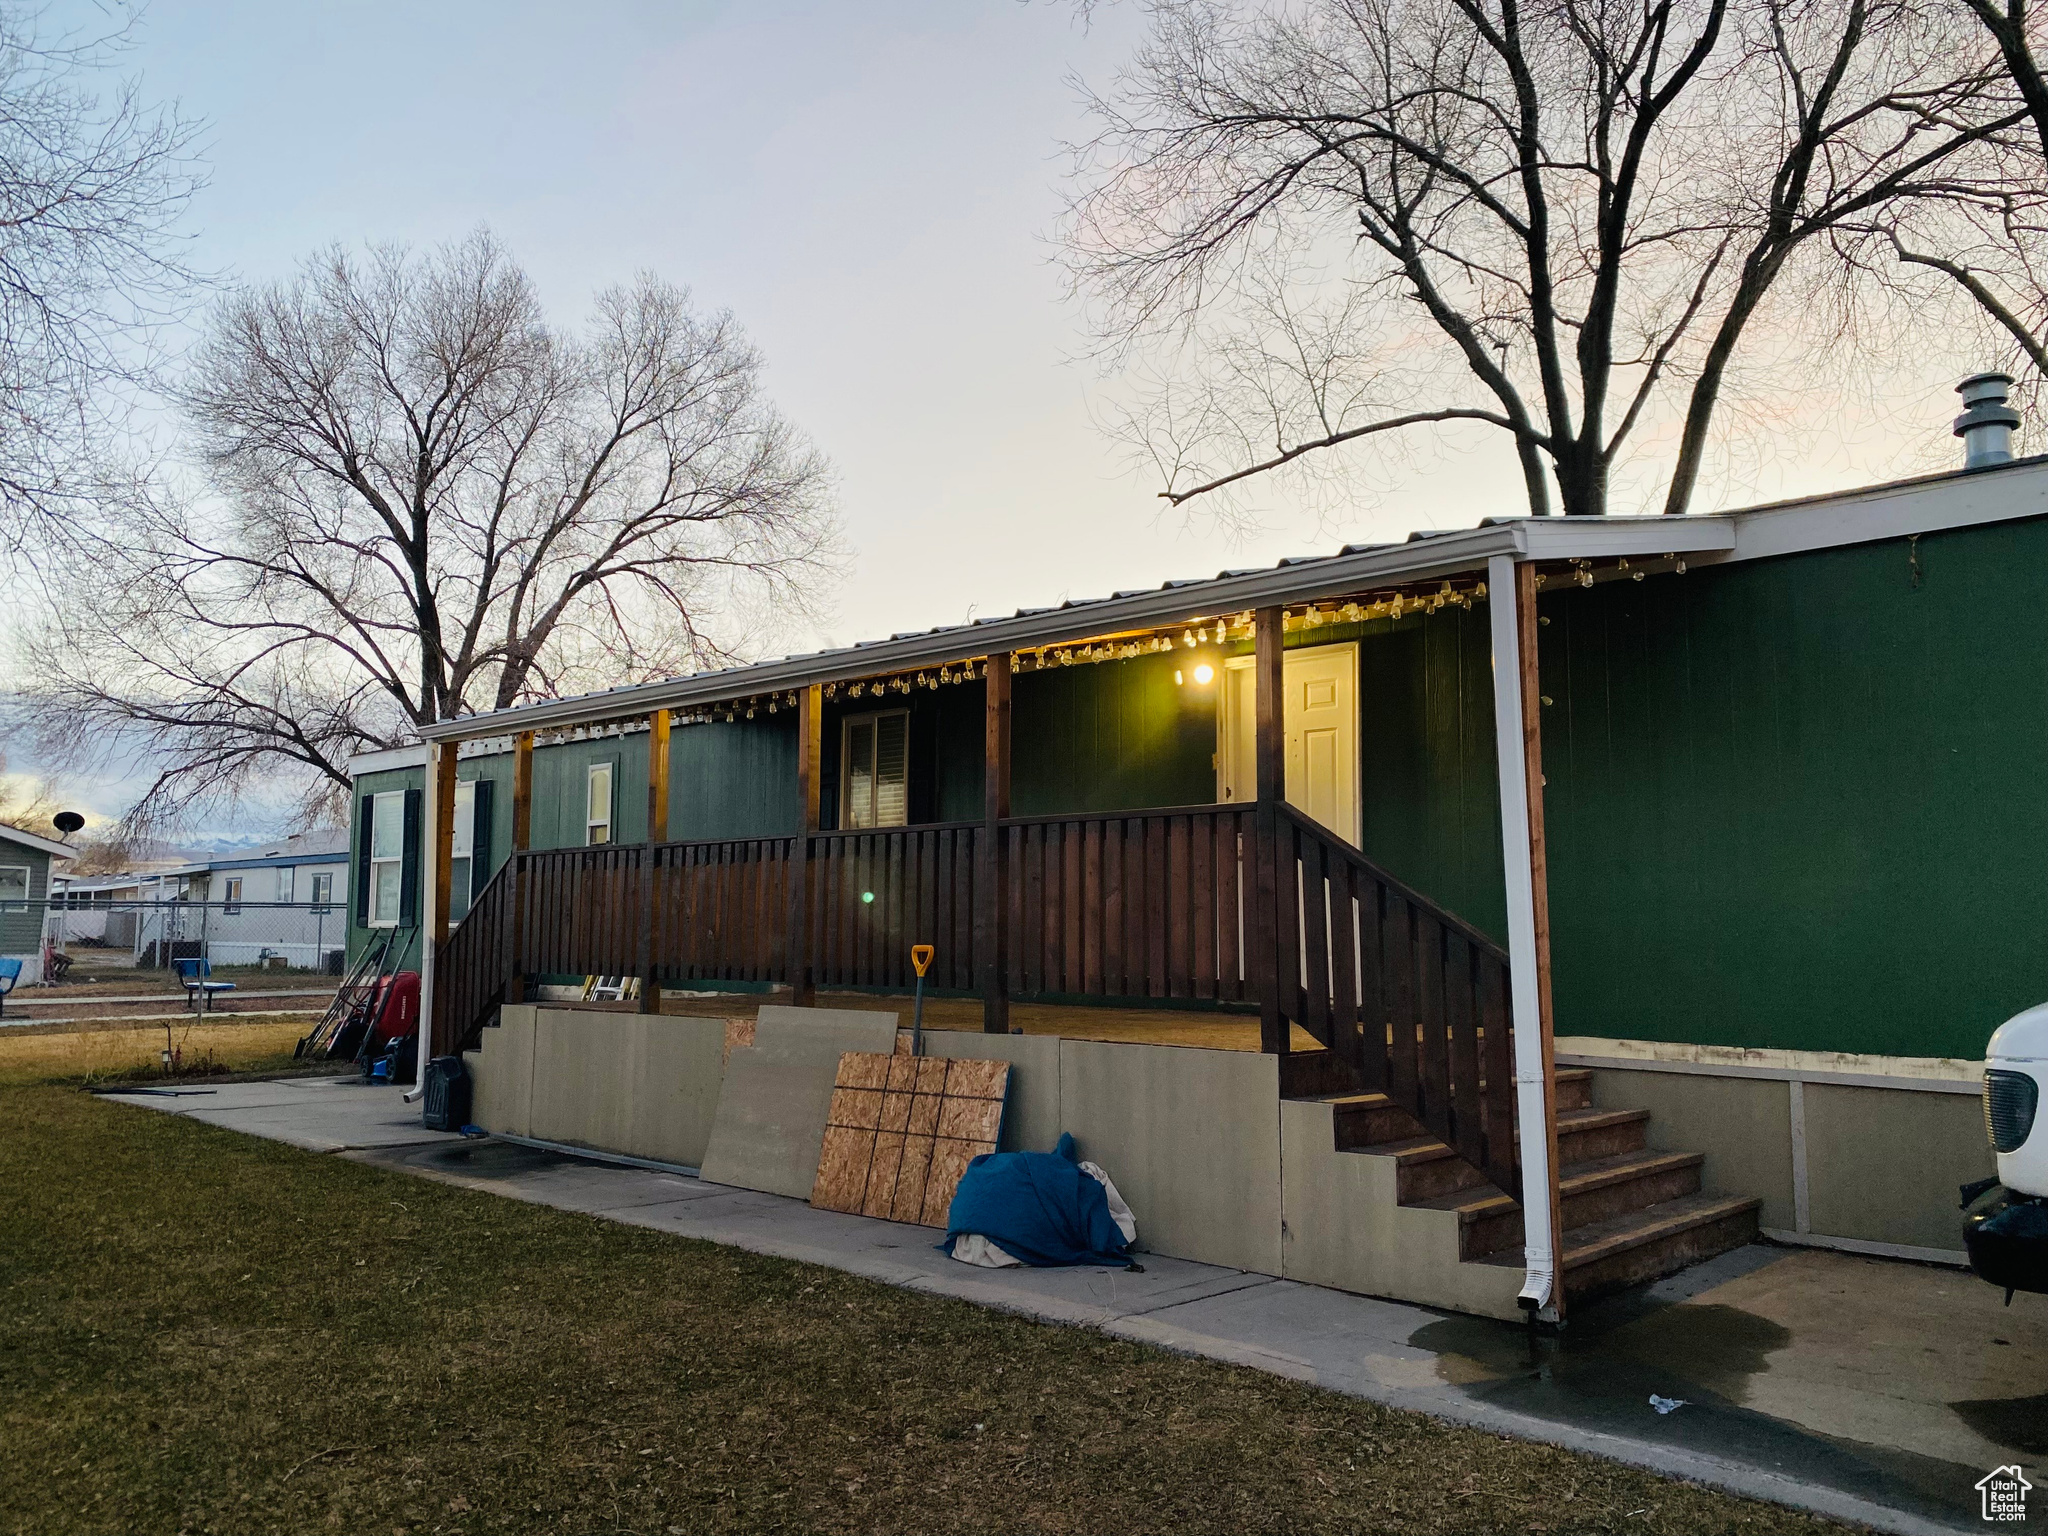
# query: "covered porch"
{"type": "Point", "coordinates": [1245, 924]}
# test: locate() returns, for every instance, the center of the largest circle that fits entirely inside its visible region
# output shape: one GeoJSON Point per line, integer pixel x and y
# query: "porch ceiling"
{"type": "Point", "coordinates": [1353, 571]}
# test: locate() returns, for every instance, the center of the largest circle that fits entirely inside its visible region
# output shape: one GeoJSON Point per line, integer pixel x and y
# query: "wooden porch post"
{"type": "Point", "coordinates": [1269, 757]}
{"type": "Point", "coordinates": [1518, 728]}
{"type": "Point", "coordinates": [657, 832]}
{"type": "Point", "coordinates": [810, 766]}
{"type": "Point", "coordinates": [436, 1032]}
{"type": "Point", "coordinates": [994, 895]}
{"type": "Point", "coordinates": [522, 838]}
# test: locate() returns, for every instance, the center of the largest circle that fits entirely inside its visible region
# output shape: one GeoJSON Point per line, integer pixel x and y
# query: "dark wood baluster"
{"type": "Point", "coordinates": [1462, 1013]}
{"type": "Point", "coordinates": [1176, 907]}
{"type": "Point", "coordinates": [1404, 1086]}
{"type": "Point", "coordinates": [1497, 1058]}
{"type": "Point", "coordinates": [1347, 1040]}
{"type": "Point", "coordinates": [1315, 934]}
{"type": "Point", "coordinates": [1430, 1013]}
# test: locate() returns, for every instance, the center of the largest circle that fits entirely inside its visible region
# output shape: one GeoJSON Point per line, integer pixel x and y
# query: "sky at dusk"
{"type": "Point", "coordinates": [872, 188]}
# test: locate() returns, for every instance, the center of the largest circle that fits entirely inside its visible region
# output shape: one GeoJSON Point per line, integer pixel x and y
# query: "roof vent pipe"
{"type": "Point", "coordinates": [1987, 422]}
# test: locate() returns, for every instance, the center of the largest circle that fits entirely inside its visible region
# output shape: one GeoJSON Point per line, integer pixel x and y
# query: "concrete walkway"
{"type": "Point", "coordinates": [1866, 1389]}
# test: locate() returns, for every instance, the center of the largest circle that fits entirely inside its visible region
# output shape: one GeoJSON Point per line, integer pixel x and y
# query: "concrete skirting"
{"type": "Point", "coordinates": [1217, 1167]}
{"type": "Point", "coordinates": [1866, 1160]}
{"type": "Point", "coordinates": [1345, 1227]}
{"type": "Point", "coordinates": [644, 1085]}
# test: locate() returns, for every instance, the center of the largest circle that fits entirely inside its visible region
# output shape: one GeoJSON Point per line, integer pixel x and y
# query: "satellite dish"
{"type": "Point", "coordinates": [68, 822]}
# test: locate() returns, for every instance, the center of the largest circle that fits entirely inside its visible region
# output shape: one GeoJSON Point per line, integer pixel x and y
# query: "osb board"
{"type": "Point", "coordinates": [902, 1129]}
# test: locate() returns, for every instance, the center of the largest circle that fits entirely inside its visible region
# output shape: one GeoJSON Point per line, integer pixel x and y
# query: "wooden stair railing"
{"type": "Point", "coordinates": [1411, 997]}
{"type": "Point", "coordinates": [473, 966]}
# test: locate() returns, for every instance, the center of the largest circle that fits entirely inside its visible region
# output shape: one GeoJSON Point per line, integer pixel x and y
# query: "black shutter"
{"type": "Point", "coordinates": [480, 840]}
{"type": "Point", "coordinates": [365, 830]}
{"type": "Point", "coordinates": [409, 870]}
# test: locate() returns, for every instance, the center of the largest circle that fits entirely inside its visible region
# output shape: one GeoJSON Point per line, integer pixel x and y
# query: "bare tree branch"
{"type": "Point", "coordinates": [420, 500]}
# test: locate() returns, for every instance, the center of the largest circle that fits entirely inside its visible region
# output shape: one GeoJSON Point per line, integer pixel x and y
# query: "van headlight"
{"type": "Point", "coordinates": [2010, 1099]}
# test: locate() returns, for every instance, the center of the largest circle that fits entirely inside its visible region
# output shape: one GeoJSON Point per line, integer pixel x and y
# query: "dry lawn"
{"type": "Point", "coordinates": [203, 1332]}
{"type": "Point", "coordinates": [99, 1053]}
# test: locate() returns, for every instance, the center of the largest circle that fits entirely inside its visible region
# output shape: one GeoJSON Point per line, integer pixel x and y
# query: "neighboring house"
{"type": "Point", "coordinates": [26, 862]}
{"type": "Point", "coordinates": [1790, 788]}
{"type": "Point", "coordinates": [284, 904]}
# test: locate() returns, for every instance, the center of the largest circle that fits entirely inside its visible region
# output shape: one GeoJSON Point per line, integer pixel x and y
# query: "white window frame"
{"type": "Point", "coordinates": [597, 830]}
{"type": "Point", "coordinates": [853, 817]}
{"type": "Point", "coordinates": [390, 803]}
{"type": "Point", "coordinates": [287, 882]}
{"type": "Point", "coordinates": [230, 895]}
{"type": "Point", "coordinates": [462, 850]}
{"type": "Point", "coordinates": [28, 885]}
{"type": "Point", "coordinates": [322, 898]}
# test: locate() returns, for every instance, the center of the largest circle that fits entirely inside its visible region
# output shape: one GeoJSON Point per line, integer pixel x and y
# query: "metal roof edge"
{"type": "Point", "coordinates": [1897, 509]}
{"type": "Point", "coordinates": [1438, 554]}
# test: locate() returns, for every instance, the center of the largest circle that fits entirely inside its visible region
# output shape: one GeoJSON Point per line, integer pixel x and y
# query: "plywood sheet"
{"type": "Point", "coordinates": [901, 1130]}
{"type": "Point", "coordinates": [769, 1129]}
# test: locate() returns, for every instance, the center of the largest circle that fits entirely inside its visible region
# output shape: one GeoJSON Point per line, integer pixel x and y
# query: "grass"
{"type": "Point", "coordinates": [99, 1053]}
{"type": "Point", "coordinates": [203, 1332]}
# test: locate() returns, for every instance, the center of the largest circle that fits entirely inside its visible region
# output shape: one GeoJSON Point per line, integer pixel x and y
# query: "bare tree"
{"type": "Point", "coordinates": [419, 500]}
{"type": "Point", "coordinates": [92, 184]}
{"type": "Point", "coordinates": [1991, 242]}
{"type": "Point", "coordinates": [1311, 223]}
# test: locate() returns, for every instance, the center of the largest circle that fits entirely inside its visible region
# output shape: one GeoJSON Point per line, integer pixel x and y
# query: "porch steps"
{"type": "Point", "coordinates": [1630, 1214]}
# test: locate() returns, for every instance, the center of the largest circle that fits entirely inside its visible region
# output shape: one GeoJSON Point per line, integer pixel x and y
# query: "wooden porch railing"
{"type": "Point", "coordinates": [874, 894]}
{"type": "Point", "coordinates": [1138, 904]}
{"type": "Point", "coordinates": [473, 967]}
{"type": "Point", "coordinates": [1412, 997]}
{"type": "Point", "coordinates": [719, 913]}
{"type": "Point", "coordinates": [1141, 905]}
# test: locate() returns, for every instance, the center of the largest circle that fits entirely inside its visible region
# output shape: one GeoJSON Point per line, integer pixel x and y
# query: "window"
{"type": "Point", "coordinates": [597, 823]}
{"type": "Point", "coordinates": [233, 887]}
{"type": "Point", "coordinates": [387, 857]}
{"type": "Point", "coordinates": [875, 789]}
{"type": "Point", "coordinates": [284, 882]}
{"type": "Point", "coordinates": [13, 887]}
{"type": "Point", "coordinates": [463, 838]}
{"type": "Point", "coordinates": [323, 892]}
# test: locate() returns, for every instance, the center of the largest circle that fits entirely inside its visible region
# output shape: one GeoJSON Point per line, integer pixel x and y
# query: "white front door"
{"type": "Point", "coordinates": [1321, 722]}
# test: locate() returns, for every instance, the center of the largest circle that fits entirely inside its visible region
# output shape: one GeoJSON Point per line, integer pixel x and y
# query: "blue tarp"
{"type": "Point", "coordinates": [1038, 1207]}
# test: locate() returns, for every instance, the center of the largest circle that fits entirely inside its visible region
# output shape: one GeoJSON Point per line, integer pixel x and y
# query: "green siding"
{"type": "Point", "coordinates": [1800, 802]}
{"type": "Point", "coordinates": [1431, 795]}
{"type": "Point", "coordinates": [734, 779]}
{"type": "Point", "coordinates": [561, 784]}
{"type": "Point", "coordinates": [21, 930]}
{"type": "Point", "coordinates": [1112, 736]}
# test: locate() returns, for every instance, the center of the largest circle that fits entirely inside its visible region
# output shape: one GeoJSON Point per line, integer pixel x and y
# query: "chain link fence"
{"type": "Point", "coordinates": [229, 935]}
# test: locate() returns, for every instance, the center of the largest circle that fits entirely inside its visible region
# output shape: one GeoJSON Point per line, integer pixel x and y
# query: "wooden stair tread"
{"type": "Point", "coordinates": [1598, 1240]}
{"type": "Point", "coordinates": [1574, 1179]}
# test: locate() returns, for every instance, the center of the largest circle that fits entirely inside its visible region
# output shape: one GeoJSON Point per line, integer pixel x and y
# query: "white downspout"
{"type": "Point", "coordinates": [1539, 1241]}
{"type": "Point", "coordinates": [430, 912]}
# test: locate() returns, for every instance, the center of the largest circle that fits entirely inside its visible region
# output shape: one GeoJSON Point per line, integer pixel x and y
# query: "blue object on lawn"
{"type": "Point", "coordinates": [198, 978]}
{"type": "Point", "coordinates": [10, 973]}
{"type": "Point", "coordinates": [1038, 1207]}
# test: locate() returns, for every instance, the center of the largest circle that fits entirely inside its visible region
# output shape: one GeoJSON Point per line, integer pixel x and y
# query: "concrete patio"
{"type": "Point", "coordinates": [1872, 1390]}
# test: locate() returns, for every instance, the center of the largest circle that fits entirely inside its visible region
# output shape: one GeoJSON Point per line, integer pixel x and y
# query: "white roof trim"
{"type": "Point", "coordinates": [1953, 499]}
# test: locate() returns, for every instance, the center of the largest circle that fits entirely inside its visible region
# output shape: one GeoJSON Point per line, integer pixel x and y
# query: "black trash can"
{"type": "Point", "coordinates": [447, 1094]}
